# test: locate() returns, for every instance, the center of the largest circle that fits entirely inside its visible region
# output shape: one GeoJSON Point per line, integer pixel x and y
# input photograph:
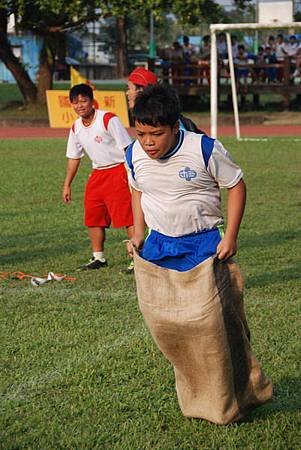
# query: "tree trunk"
{"type": "Point", "coordinates": [46, 69]}
{"type": "Point", "coordinates": [121, 47]}
{"type": "Point", "coordinates": [63, 71]}
{"type": "Point", "coordinates": [25, 84]}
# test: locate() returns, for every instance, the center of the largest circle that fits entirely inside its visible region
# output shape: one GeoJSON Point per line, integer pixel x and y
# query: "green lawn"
{"type": "Point", "coordinates": [78, 368]}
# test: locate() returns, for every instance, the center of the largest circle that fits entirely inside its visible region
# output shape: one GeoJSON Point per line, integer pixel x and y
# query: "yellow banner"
{"type": "Point", "coordinates": [62, 115]}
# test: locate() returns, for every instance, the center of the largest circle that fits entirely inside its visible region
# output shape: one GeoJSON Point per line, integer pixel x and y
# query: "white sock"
{"type": "Point", "coordinates": [99, 256]}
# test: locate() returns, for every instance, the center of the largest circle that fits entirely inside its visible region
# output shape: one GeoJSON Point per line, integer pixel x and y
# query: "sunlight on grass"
{"type": "Point", "coordinates": [78, 367]}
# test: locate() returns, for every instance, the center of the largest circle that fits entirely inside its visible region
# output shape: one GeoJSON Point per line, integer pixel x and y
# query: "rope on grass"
{"type": "Point", "coordinates": [35, 281]}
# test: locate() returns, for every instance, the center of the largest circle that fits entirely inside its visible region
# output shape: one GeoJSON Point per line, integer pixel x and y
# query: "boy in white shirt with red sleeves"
{"type": "Point", "coordinates": [101, 136]}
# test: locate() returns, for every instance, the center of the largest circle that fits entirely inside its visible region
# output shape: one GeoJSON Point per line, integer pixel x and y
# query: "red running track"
{"type": "Point", "coordinates": [245, 131]}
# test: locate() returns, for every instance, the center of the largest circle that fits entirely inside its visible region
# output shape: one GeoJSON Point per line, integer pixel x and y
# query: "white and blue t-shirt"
{"type": "Point", "coordinates": [181, 191]}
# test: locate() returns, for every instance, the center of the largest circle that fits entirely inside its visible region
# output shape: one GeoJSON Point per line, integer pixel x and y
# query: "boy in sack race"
{"type": "Point", "coordinates": [190, 291]}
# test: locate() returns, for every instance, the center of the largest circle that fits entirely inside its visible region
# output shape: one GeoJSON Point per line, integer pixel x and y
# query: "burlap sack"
{"type": "Point", "coordinates": [197, 320]}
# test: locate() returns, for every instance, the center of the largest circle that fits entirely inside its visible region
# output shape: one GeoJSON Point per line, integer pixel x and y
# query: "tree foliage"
{"type": "Point", "coordinates": [48, 19]}
{"type": "Point", "coordinates": [193, 11]}
{"type": "Point", "coordinates": [188, 11]}
{"type": "Point", "coordinates": [51, 19]}
{"type": "Point", "coordinates": [242, 4]}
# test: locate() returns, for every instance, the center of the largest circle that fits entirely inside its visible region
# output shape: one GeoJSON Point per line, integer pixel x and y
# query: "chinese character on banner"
{"type": "Point", "coordinates": [109, 101]}
{"type": "Point", "coordinates": [68, 118]}
{"type": "Point", "coordinates": [64, 101]}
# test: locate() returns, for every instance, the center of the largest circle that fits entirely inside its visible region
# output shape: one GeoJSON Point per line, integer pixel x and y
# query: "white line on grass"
{"type": "Point", "coordinates": [24, 391]}
{"type": "Point", "coordinates": [269, 139]}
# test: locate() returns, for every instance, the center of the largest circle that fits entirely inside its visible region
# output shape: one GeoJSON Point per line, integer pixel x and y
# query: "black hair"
{"type": "Point", "coordinates": [157, 105]}
{"type": "Point", "coordinates": [190, 125]}
{"type": "Point", "coordinates": [139, 87]}
{"type": "Point", "coordinates": [80, 89]}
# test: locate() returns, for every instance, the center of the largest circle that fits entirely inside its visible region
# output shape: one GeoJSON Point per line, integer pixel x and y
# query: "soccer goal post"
{"type": "Point", "coordinates": [226, 28]}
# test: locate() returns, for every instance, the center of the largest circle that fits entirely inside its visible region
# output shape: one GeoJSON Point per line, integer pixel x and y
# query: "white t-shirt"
{"type": "Point", "coordinates": [103, 141]}
{"type": "Point", "coordinates": [180, 194]}
{"type": "Point", "coordinates": [221, 48]}
{"type": "Point", "coordinates": [281, 51]}
{"type": "Point", "coordinates": [292, 48]}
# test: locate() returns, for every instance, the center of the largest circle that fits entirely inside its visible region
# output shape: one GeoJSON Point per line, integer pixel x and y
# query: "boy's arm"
{"type": "Point", "coordinates": [236, 201]}
{"type": "Point", "coordinates": [139, 222]}
{"type": "Point", "coordinates": [71, 170]}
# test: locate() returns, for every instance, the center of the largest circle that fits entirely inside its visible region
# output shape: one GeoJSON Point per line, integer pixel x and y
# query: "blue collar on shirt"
{"type": "Point", "coordinates": [174, 149]}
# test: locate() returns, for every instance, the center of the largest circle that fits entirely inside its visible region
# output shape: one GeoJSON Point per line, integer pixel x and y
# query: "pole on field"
{"type": "Point", "coordinates": [218, 27]}
{"type": "Point", "coordinates": [213, 86]}
{"type": "Point", "coordinates": [233, 85]}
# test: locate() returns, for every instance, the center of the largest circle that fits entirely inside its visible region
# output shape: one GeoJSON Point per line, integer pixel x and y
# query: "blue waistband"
{"type": "Point", "coordinates": [184, 236]}
{"type": "Point", "coordinates": [183, 252]}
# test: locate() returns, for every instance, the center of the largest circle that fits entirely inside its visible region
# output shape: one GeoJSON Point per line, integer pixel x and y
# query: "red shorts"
{"type": "Point", "coordinates": [108, 198]}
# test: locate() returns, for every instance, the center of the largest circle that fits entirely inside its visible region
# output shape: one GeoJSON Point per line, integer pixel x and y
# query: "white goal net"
{"type": "Point", "coordinates": [227, 28]}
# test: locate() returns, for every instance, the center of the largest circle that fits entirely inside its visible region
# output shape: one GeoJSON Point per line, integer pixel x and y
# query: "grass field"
{"type": "Point", "coordinates": [78, 367]}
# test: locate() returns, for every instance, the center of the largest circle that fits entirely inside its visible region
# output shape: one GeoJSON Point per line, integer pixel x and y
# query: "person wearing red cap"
{"type": "Point", "coordinates": [138, 79]}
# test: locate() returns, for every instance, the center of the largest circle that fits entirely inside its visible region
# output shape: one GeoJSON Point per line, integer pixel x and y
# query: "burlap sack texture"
{"type": "Point", "coordinates": [197, 320]}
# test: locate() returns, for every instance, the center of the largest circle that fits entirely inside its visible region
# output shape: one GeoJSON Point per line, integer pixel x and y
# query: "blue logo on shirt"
{"type": "Point", "coordinates": [187, 173]}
